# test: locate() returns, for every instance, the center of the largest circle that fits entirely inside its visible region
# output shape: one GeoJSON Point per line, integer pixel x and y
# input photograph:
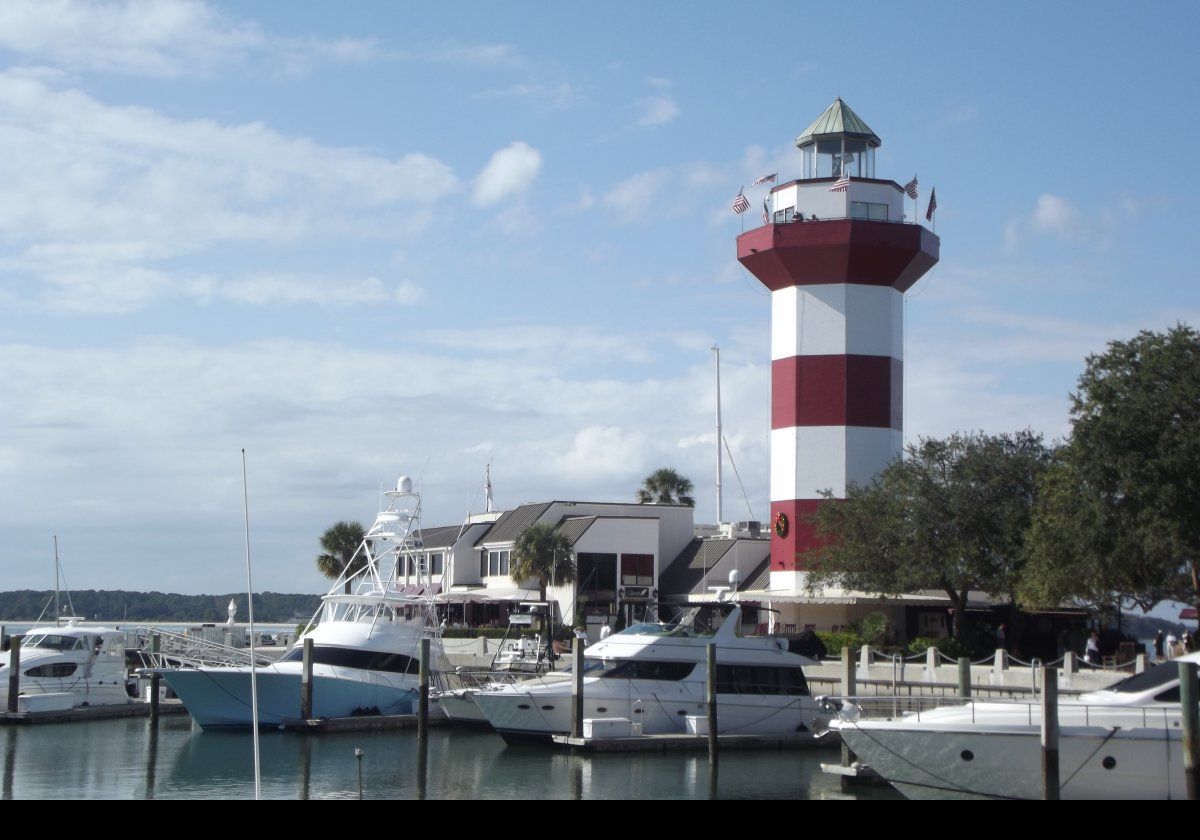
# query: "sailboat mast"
{"type": "Point", "coordinates": [717, 361]}
{"type": "Point", "coordinates": [57, 607]}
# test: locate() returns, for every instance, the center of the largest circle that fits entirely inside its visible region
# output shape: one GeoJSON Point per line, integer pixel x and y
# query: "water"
{"type": "Point", "coordinates": [129, 759]}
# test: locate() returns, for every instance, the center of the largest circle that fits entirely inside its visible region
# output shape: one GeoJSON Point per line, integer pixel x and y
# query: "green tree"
{"type": "Point", "coordinates": [666, 487]}
{"type": "Point", "coordinates": [543, 552]}
{"type": "Point", "coordinates": [340, 551]}
{"type": "Point", "coordinates": [951, 516]}
{"type": "Point", "coordinates": [1118, 517]}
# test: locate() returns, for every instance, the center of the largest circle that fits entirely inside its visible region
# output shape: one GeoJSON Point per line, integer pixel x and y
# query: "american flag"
{"type": "Point", "coordinates": [932, 205]}
{"type": "Point", "coordinates": [766, 179]}
{"type": "Point", "coordinates": [741, 204]}
{"type": "Point", "coordinates": [841, 185]}
{"type": "Point", "coordinates": [911, 188]}
{"type": "Point", "coordinates": [766, 213]}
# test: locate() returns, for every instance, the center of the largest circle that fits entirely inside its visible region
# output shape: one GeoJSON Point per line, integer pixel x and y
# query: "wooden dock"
{"type": "Point", "coordinates": [83, 714]}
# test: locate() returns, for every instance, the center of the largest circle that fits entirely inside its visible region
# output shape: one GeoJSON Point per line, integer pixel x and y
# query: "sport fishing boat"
{"type": "Point", "coordinates": [654, 676]}
{"type": "Point", "coordinates": [70, 666]}
{"type": "Point", "coordinates": [1123, 742]}
{"type": "Point", "coordinates": [366, 642]}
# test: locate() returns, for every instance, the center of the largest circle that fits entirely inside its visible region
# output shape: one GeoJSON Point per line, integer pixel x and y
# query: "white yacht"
{"type": "Point", "coordinates": [654, 676]}
{"type": "Point", "coordinates": [1124, 742]}
{"type": "Point", "coordinates": [366, 651]}
{"type": "Point", "coordinates": [79, 666]}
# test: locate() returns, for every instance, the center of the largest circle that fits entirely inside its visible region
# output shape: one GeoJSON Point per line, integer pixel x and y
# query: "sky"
{"type": "Point", "coordinates": [367, 239]}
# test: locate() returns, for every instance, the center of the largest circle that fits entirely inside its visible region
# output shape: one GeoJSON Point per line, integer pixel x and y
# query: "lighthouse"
{"type": "Point", "coordinates": [837, 254]}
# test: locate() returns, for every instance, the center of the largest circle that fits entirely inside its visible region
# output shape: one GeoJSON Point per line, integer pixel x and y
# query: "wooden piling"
{"type": "Point", "coordinates": [711, 691]}
{"type": "Point", "coordinates": [155, 677]}
{"type": "Point", "coordinates": [1189, 695]}
{"type": "Point", "coordinates": [577, 688]}
{"type": "Point", "coordinates": [306, 681]}
{"type": "Point", "coordinates": [964, 677]}
{"type": "Point", "coordinates": [849, 689]}
{"type": "Point", "coordinates": [1050, 777]}
{"type": "Point", "coordinates": [423, 693]}
{"type": "Point", "coordinates": [14, 672]}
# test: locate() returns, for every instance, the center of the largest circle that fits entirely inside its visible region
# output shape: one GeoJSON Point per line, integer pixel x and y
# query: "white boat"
{"type": "Point", "coordinates": [366, 646]}
{"type": "Point", "coordinates": [1123, 742]}
{"type": "Point", "coordinates": [654, 677]}
{"type": "Point", "coordinates": [77, 666]}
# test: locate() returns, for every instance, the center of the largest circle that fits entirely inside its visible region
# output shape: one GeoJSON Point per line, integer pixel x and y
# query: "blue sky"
{"type": "Point", "coordinates": [371, 238]}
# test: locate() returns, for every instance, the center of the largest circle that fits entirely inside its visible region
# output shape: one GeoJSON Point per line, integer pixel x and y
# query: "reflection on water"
{"type": "Point", "coordinates": [130, 759]}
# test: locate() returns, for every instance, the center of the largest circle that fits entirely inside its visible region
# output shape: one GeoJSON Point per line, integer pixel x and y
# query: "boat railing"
{"type": "Point", "coordinates": [179, 650]}
{"type": "Point", "coordinates": [1070, 712]}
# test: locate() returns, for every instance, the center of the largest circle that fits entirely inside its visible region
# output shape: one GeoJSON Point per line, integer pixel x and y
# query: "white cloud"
{"type": "Point", "coordinates": [1058, 218]}
{"type": "Point", "coordinates": [165, 38]}
{"type": "Point", "coordinates": [658, 110]}
{"type": "Point", "coordinates": [543, 97]}
{"type": "Point", "coordinates": [105, 193]}
{"type": "Point", "coordinates": [635, 197]}
{"type": "Point", "coordinates": [509, 172]}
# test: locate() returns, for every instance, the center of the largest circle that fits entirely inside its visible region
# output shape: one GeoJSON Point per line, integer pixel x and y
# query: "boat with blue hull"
{"type": "Point", "coordinates": [366, 642]}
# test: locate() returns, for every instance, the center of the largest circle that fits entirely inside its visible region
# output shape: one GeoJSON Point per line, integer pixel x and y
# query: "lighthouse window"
{"type": "Point", "coordinates": [785, 215]}
{"type": "Point", "coordinates": [868, 210]}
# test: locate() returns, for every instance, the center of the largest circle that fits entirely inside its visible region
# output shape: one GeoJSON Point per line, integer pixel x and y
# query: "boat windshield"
{"type": "Point", "coordinates": [675, 630]}
{"type": "Point", "coordinates": [53, 641]}
{"type": "Point", "coordinates": [1151, 678]}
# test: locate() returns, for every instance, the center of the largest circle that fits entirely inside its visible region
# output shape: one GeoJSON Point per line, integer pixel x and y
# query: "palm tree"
{"type": "Point", "coordinates": [543, 552]}
{"type": "Point", "coordinates": [666, 487]}
{"type": "Point", "coordinates": [340, 544]}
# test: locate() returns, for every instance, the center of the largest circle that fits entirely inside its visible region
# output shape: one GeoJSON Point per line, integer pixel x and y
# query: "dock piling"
{"type": "Point", "coordinates": [964, 677]}
{"type": "Point", "coordinates": [577, 688]}
{"type": "Point", "coordinates": [423, 693]}
{"type": "Point", "coordinates": [155, 678]}
{"type": "Point", "coordinates": [14, 672]}
{"type": "Point", "coordinates": [306, 681]}
{"type": "Point", "coordinates": [711, 691]}
{"type": "Point", "coordinates": [849, 689]}
{"type": "Point", "coordinates": [1050, 777]}
{"type": "Point", "coordinates": [1189, 695]}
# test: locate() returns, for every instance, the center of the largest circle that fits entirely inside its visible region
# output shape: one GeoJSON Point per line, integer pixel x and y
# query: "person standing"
{"type": "Point", "coordinates": [1170, 644]}
{"type": "Point", "coordinates": [1091, 654]}
{"type": "Point", "coordinates": [1158, 646]}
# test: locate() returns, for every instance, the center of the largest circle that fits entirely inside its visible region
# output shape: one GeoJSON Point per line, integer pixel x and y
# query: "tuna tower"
{"type": "Point", "coordinates": [838, 254]}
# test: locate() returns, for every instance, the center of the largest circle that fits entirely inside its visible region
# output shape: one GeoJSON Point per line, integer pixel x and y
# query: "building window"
{"type": "Point", "coordinates": [498, 562]}
{"type": "Point", "coordinates": [436, 563]}
{"type": "Point", "coordinates": [637, 570]}
{"type": "Point", "coordinates": [597, 574]}
{"type": "Point", "coordinates": [868, 210]}
{"type": "Point", "coordinates": [785, 215]}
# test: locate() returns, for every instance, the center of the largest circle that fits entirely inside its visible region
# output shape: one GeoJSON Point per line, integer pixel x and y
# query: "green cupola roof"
{"type": "Point", "coordinates": [838, 121]}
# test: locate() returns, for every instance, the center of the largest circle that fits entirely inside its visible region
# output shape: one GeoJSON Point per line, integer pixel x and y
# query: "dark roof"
{"type": "Point", "coordinates": [510, 525]}
{"type": "Point", "coordinates": [443, 536]}
{"type": "Point", "coordinates": [760, 578]}
{"type": "Point", "coordinates": [574, 527]}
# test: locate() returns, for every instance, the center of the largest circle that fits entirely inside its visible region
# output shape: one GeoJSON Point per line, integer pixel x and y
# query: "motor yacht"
{"type": "Point", "coordinates": [1122, 742]}
{"type": "Point", "coordinates": [654, 676]}
{"type": "Point", "coordinates": [83, 666]}
{"type": "Point", "coordinates": [366, 643]}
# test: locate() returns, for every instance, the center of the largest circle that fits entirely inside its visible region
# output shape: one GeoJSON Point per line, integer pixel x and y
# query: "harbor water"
{"type": "Point", "coordinates": [131, 759]}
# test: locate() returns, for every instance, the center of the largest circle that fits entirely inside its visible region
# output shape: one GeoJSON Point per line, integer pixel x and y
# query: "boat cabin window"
{"type": "Point", "coordinates": [760, 679]}
{"type": "Point", "coordinates": [648, 669]}
{"type": "Point", "coordinates": [590, 666]}
{"type": "Point", "coordinates": [366, 660]}
{"type": "Point", "coordinates": [53, 641]}
{"type": "Point", "coordinates": [56, 670]}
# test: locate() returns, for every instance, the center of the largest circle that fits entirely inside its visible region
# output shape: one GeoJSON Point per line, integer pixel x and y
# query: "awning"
{"type": "Point", "coordinates": [484, 596]}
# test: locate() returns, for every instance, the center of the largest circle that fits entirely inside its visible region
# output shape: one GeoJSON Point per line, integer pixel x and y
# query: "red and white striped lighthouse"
{"type": "Point", "coordinates": [838, 255]}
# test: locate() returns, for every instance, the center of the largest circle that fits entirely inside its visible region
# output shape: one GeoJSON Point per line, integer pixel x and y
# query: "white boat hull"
{"type": "Point", "coordinates": [535, 713]}
{"type": "Point", "coordinates": [1095, 762]}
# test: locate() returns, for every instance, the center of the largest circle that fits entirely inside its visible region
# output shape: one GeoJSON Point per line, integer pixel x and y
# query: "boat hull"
{"type": "Point", "coordinates": [1095, 762]}
{"type": "Point", "coordinates": [219, 698]}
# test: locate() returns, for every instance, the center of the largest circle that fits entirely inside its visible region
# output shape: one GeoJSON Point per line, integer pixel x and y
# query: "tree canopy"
{"type": "Point", "coordinates": [339, 551]}
{"type": "Point", "coordinates": [951, 516]}
{"type": "Point", "coordinates": [544, 553]}
{"type": "Point", "coordinates": [1118, 516]}
{"type": "Point", "coordinates": [666, 487]}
